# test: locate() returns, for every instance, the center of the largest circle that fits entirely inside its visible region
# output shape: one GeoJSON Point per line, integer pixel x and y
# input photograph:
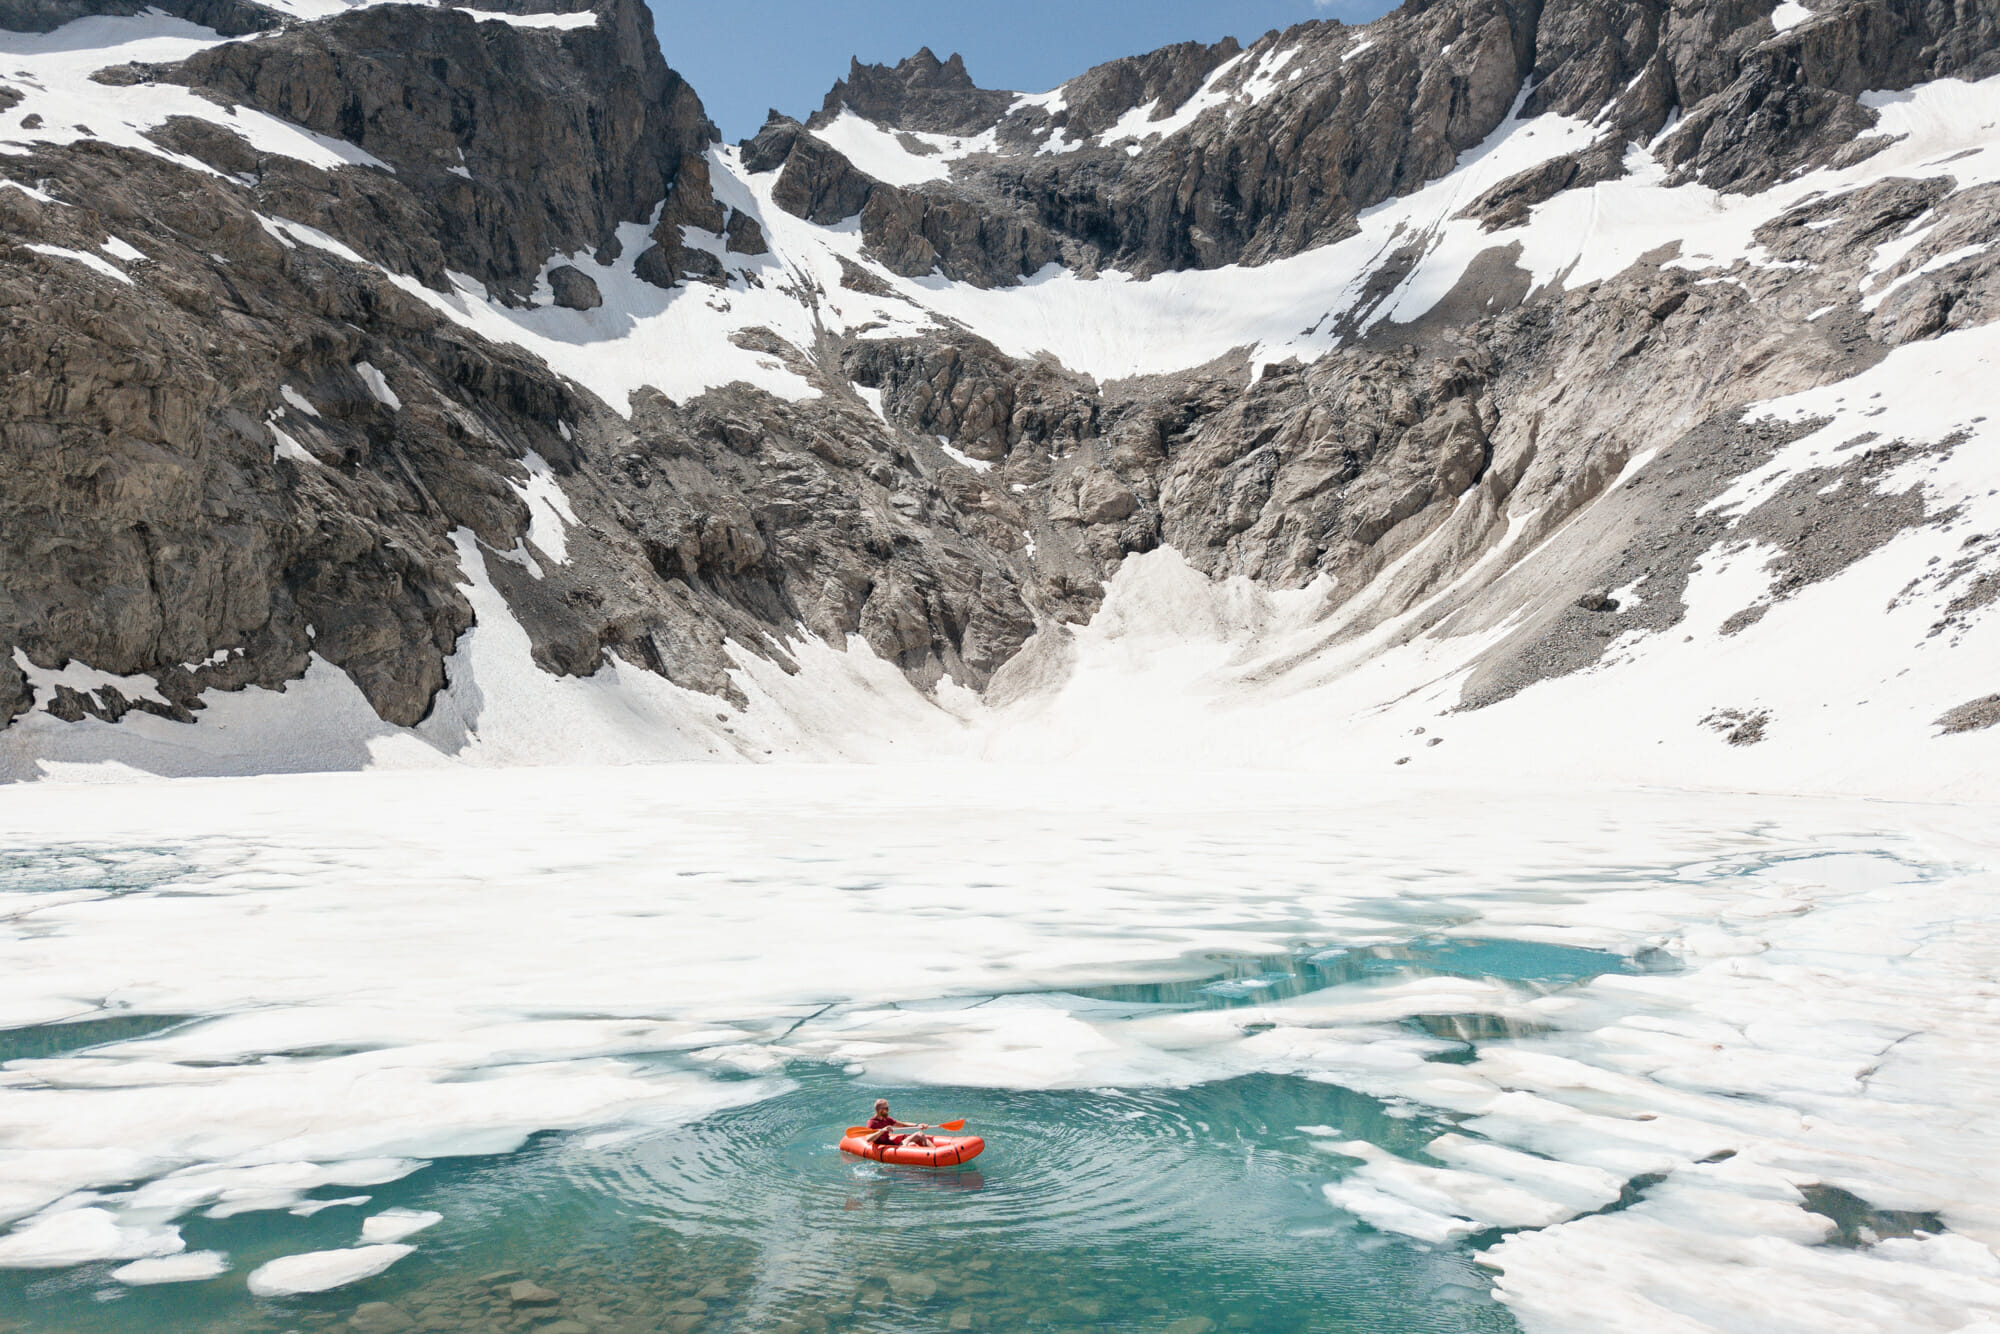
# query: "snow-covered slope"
{"type": "Point", "coordinates": [1588, 343]}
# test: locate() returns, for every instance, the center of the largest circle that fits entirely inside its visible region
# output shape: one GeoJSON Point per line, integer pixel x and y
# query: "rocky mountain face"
{"type": "Point", "coordinates": [1352, 117]}
{"type": "Point", "coordinates": [518, 145]}
{"type": "Point", "coordinates": [339, 289]}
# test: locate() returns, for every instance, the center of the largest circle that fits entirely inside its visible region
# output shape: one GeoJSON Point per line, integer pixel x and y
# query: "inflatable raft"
{"type": "Point", "coordinates": [948, 1151]}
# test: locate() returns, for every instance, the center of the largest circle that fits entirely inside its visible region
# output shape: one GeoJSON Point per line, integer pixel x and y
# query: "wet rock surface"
{"type": "Point", "coordinates": [686, 1286]}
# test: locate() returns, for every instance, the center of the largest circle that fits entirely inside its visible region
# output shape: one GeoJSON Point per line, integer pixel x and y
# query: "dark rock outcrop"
{"type": "Point", "coordinates": [965, 391]}
{"type": "Point", "coordinates": [561, 134]}
{"type": "Point", "coordinates": [231, 18]}
{"type": "Point", "coordinates": [920, 93]}
{"type": "Point", "coordinates": [815, 181]}
{"type": "Point", "coordinates": [574, 288]}
{"type": "Point", "coordinates": [912, 232]}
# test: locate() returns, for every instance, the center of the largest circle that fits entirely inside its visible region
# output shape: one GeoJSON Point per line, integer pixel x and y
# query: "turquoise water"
{"type": "Point", "coordinates": [1101, 1210]}
{"type": "Point", "coordinates": [1106, 1209]}
{"type": "Point", "coordinates": [42, 1040]}
{"type": "Point", "coordinates": [316, 999]}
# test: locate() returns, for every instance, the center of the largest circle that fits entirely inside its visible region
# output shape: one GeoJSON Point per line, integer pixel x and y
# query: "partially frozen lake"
{"type": "Point", "coordinates": [487, 1050]}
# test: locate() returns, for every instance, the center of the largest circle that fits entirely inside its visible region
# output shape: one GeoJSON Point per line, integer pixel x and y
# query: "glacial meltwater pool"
{"type": "Point", "coordinates": [569, 1051]}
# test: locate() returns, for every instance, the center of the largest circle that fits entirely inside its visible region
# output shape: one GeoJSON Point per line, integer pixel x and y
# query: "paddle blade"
{"type": "Point", "coordinates": [857, 1130]}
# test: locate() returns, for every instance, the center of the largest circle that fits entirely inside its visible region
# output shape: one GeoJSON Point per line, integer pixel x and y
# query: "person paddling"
{"type": "Point", "coordinates": [882, 1128]}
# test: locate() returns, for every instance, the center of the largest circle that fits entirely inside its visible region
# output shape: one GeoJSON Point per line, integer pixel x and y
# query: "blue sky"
{"type": "Point", "coordinates": [744, 56]}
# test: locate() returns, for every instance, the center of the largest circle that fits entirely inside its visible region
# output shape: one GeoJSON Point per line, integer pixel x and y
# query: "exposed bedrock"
{"type": "Point", "coordinates": [919, 93]}
{"type": "Point", "coordinates": [1350, 117]}
{"type": "Point", "coordinates": [912, 232]}
{"type": "Point", "coordinates": [522, 142]}
{"type": "Point", "coordinates": [172, 510]}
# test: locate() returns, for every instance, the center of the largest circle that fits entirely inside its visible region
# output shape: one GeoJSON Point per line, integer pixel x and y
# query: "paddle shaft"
{"type": "Point", "coordinates": [947, 1125]}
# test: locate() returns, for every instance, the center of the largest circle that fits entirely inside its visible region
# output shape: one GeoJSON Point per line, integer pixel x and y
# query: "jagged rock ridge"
{"type": "Point", "coordinates": [1290, 139]}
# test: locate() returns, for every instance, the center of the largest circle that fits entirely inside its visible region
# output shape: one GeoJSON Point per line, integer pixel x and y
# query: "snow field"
{"type": "Point", "coordinates": [89, 261]}
{"type": "Point", "coordinates": [1113, 327]}
{"type": "Point", "coordinates": [880, 153]}
{"type": "Point", "coordinates": [52, 70]}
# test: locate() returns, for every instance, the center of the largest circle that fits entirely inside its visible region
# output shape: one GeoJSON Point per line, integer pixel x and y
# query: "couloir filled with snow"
{"type": "Point", "coordinates": [369, 977]}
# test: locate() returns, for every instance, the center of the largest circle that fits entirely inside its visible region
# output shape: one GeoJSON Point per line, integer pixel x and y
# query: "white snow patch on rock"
{"type": "Point", "coordinates": [288, 447]}
{"type": "Point", "coordinates": [964, 459]}
{"type": "Point", "coordinates": [84, 679]}
{"type": "Point", "coordinates": [1875, 298]}
{"type": "Point", "coordinates": [1789, 15]}
{"type": "Point", "coordinates": [83, 257]}
{"type": "Point", "coordinates": [378, 386]}
{"type": "Point", "coordinates": [565, 22]}
{"type": "Point", "coordinates": [876, 152]}
{"type": "Point", "coordinates": [1265, 78]}
{"type": "Point", "coordinates": [549, 513]}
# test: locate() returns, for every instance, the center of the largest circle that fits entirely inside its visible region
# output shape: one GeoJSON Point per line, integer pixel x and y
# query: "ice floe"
{"type": "Point", "coordinates": [321, 1271]}
{"type": "Point", "coordinates": [1818, 994]}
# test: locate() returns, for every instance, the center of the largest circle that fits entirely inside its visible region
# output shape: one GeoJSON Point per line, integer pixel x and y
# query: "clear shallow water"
{"type": "Point", "coordinates": [1102, 1209]}
{"type": "Point", "coordinates": [1242, 1064]}
{"type": "Point", "coordinates": [1112, 1209]}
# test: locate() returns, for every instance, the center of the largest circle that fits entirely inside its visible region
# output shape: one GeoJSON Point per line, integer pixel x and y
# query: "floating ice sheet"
{"type": "Point", "coordinates": [322, 1271]}
{"type": "Point", "coordinates": [638, 946]}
